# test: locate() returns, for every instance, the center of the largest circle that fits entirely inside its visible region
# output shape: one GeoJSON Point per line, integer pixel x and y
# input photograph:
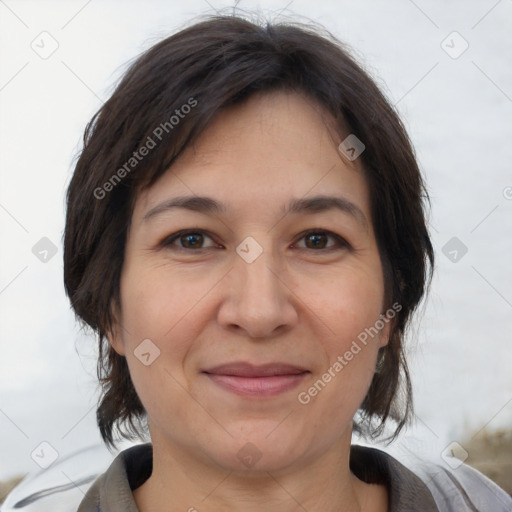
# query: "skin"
{"type": "Point", "coordinates": [295, 303]}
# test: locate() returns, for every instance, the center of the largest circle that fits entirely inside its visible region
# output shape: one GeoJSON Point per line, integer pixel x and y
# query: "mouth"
{"type": "Point", "coordinates": [257, 381]}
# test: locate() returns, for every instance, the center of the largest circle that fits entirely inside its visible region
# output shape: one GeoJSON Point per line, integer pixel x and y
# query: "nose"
{"type": "Point", "coordinates": [257, 298]}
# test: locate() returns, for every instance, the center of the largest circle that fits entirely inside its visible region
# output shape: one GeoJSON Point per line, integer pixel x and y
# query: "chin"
{"type": "Point", "coordinates": [259, 449]}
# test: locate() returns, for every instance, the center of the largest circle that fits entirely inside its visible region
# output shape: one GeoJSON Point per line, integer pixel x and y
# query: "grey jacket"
{"type": "Point", "coordinates": [422, 487]}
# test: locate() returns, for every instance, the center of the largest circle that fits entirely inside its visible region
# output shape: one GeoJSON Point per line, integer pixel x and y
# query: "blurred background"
{"type": "Point", "coordinates": [446, 68]}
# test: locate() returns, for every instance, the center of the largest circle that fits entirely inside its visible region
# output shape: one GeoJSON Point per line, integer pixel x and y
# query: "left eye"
{"type": "Point", "coordinates": [319, 240]}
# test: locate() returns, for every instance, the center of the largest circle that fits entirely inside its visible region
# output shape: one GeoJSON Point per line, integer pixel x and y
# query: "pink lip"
{"type": "Point", "coordinates": [257, 381]}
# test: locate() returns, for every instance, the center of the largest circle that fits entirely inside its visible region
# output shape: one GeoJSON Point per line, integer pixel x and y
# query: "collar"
{"type": "Point", "coordinates": [113, 490]}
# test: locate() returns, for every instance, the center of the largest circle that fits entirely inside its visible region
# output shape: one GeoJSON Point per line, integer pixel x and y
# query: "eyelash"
{"type": "Point", "coordinates": [341, 243]}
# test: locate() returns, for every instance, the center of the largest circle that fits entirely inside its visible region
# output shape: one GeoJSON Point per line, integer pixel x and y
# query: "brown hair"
{"type": "Point", "coordinates": [210, 66]}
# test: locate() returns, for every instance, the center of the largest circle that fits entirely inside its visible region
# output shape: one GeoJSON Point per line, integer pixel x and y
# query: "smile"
{"type": "Point", "coordinates": [261, 381]}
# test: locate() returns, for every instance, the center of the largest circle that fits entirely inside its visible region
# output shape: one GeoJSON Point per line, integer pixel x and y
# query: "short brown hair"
{"type": "Point", "coordinates": [217, 63]}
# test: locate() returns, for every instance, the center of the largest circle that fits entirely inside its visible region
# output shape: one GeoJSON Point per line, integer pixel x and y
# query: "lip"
{"type": "Point", "coordinates": [245, 369]}
{"type": "Point", "coordinates": [250, 380]}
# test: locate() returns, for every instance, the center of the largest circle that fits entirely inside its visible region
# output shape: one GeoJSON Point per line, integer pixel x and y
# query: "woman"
{"type": "Point", "coordinates": [246, 234]}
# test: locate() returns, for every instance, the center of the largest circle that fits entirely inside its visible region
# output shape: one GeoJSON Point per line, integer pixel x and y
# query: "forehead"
{"type": "Point", "coordinates": [265, 151]}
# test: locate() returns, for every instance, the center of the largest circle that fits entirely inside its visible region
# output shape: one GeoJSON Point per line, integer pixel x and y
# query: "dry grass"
{"type": "Point", "coordinates": [7, 486]}
{"type": "Point", "coordinates": [491, 454]}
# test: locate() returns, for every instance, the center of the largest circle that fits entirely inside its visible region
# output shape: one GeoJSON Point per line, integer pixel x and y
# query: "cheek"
{"type": "Point", "coordinates": [170, 320]}
{"type": "Point", "coordinates": [349, 307]}
{"type": "Point", "coordinates": [167, 316]}
{"type": "Point", "coordinates": [157, 303]}
{"type": "Point", "coordinates": [347, 303]}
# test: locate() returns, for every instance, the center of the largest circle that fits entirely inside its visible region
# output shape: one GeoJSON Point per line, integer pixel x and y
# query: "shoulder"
{"type": "Point", "coordinates": [463, 489]}
{"type": "Point", "coordinates": [77, 478]}
{"type": "Point", "coordinates": [459, 488]}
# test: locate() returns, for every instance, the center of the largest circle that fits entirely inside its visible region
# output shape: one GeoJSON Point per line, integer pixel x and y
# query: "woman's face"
{"type": "Point", "coordinates": [241, 334]}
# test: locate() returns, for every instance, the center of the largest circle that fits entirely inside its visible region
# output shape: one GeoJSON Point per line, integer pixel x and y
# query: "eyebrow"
{"type": "Point", "coordinates": [316, 204]}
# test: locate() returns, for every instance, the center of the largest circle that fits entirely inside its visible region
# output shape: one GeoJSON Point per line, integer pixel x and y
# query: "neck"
{"type": "Point", "coordinates": [180, 482]}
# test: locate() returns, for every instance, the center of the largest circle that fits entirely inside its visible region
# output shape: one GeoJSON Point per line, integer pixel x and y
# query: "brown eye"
{"type": "Point", "coordinates": [317, 240]}
{"type": "Point", "coordinates": [193, 240]}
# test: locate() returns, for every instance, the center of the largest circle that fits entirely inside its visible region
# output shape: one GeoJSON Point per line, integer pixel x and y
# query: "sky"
{"type": "Point", "coordinates": [446, 68]}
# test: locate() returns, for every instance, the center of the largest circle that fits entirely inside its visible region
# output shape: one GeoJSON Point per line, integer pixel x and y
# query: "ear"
{"type": "Point", "coordinates": [114, 334]}
{"type": "Point", "coordinates": [387, 329]}
{"type": "Point", "coordinates": [385, 333]}
{"type": "Point", "coordinates": [116, 343]}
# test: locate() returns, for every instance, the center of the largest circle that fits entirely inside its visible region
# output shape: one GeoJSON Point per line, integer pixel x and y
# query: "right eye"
{"type": "Point", "coordinates": [187, 240]}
